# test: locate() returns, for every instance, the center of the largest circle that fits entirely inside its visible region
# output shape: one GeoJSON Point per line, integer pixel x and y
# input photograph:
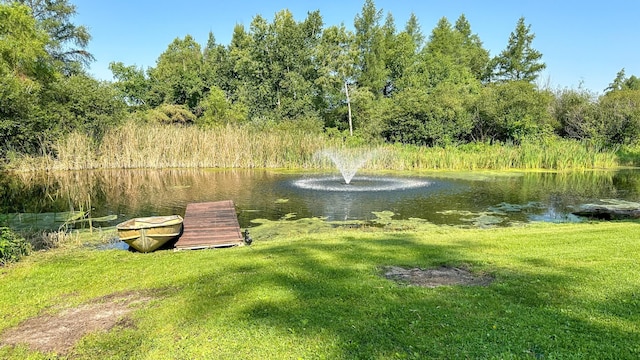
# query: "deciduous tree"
{"type": "Point", "coordinates": [133, 84]}
{"type": "Point", "coordinates": [176, 79]}
{"type": "Point", "coordinates": [24, 70]}
{"type": "Point", "coordinates": [336, 57]}
{"type": "Point", "coordinates": [67, 41]}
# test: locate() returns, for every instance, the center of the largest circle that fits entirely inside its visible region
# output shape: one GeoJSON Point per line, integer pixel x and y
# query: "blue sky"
{"type": "Point", "coordinates": [584, 43]}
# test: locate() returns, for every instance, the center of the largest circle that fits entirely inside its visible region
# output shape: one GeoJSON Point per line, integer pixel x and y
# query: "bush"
{"type": "Point", "coordinates": [12, 246]}
{"type": "Point", "coordinates": [170, 114]}
{"type": "Point", "coordinates": [575, 112]}
{"type": "Point", "coordinates": [432, 119]}
{"type": "Point", "coordinates": [619, 122]}
{"type": "Point", "coordinates": [512, 111]}
{"type": "Point", "coordinates": [218, 110]}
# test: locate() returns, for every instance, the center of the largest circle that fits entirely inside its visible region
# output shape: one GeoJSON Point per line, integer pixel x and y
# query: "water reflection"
{"type": "Point", "coordinates": [266, 194]}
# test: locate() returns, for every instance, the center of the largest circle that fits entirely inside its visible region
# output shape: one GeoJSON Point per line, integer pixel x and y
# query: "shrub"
{"type": "Point", "coordinates": [432, 119]}
{"type": "Point", "coordinates": [512, 111]}
{"type": "Point", "coordinates": [170, 114]}
{"type": "Point", "coordinates": [12, 246]}
{"type": "Point", "coordinates": [619, 121]}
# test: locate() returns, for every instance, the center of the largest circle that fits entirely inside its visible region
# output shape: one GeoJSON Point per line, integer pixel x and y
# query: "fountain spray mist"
{"type": "Point", "coordinates": [348, 161]}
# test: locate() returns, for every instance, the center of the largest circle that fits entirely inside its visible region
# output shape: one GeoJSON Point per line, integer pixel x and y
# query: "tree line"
{"type": "Point", "coordinates": [376, 82]}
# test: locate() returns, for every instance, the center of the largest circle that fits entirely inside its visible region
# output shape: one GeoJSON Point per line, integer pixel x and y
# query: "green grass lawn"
{"type": "Point", "coordinates": [560, 291]}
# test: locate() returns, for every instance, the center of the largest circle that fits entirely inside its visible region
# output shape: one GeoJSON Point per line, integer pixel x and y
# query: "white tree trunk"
{"type": "Point", "coordinates": [346, 90]}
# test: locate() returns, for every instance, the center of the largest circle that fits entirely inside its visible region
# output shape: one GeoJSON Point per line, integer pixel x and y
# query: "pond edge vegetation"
{"type": "Point", "coordinates": [156, 146]}
{"type": "Point", "coordinates": [283, 88]}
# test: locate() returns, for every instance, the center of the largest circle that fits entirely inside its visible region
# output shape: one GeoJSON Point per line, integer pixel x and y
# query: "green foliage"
{"type": "Point", "coordinates": [170, 114]}
{"type": "Point", "coordinates": [67, 42]}
{"type": "Point", "coordinates": [43, 92]}
{"type": "Point", "coordinates": [400, 52]}
{"type": "Point", "coordinates": [383, 83]}
{"type": "Point", "coordinates": [176, 79]}
{"type": "Point", "coordinates": [22, 43]}
{"type": "Point", "coordinates": [335, 58]}
{"type": "Point", "coordinates": [132, 83]}
{"type": "Point", "coordinates": [609, 121]}
{"type": "Point", "coordinates": [369, 43]}
{"type": "Point", "coordinates": [435, 105]}
{"type": "Point", "coordinates": [621, 82]}
{"type": "Point", "coordinates": [24, 71]}
{"type": "Point", "coordinates": [619, 118]}
{"type": "Point", "coordinates": [365, 111]}
{"type": "Point", "coordinates": [632, 83]}
{"type": "Point", "coordinates": [272, 68]}
{"type": "Point", "coordinates": [218, 110]}
{"type": "Point", "coordinates": [12, 246]}
{"type": "Point", "coordinates": [18, 98]}
{"type": "Point", "coordinates": [460, 45]}
{"type": "Point", "coordinates": [519, 61]}
{"type": "Point", "coordinates": [422, 118]}
{"type": "Point", "coordinates": [576, 112]}
{"type": "Point", "coordinates": [512, 111]}
{"type": "Point", "coordinates": [473, 54]}
{"type": "Point", "coordinates": [80, 103]}
{"type": "Point", "coordinates": [216, 66]}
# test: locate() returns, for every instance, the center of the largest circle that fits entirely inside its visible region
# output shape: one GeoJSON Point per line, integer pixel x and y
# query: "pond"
{"type": "Point", "coordinates": [455, 198]}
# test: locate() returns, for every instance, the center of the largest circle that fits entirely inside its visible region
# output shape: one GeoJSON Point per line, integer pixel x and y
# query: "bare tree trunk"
{"type": "Point", "coordinates": [346, 90]}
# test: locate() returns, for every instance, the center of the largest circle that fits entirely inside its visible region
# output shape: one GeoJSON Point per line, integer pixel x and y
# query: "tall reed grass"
{"type": "Point", "coordinates": [553, 155]}
{"type": "Point", "coordinates": [155, 146]}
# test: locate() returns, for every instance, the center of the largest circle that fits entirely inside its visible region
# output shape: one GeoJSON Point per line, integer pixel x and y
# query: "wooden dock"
{"type": "Point", "coordinates": [210, 225]}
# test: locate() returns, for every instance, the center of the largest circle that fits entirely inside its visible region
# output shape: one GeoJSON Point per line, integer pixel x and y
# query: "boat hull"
{"type": "Point", "coordinates": [150, 233]}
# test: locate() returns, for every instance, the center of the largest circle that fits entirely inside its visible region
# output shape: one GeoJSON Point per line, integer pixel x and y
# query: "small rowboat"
{"type": "Point", "coordinates": [147, 234]}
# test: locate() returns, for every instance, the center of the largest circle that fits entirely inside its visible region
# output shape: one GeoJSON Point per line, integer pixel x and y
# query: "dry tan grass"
{"type": "Point", "coordinates": [156, 146]}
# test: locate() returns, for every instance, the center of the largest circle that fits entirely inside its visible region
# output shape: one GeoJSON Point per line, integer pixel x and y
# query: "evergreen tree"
{"type": "Point", "coordinates": [412, 28]}
{"type": "Point", "coordinates": [519, 61]}
{"type": "Point", "coordinates": [621, 82]}
{"type": "Point", "coordinates": [460, 45]}
{"type": "Point", "coordinates": [369, 43]}
{"type": "Point", "coordinates": [401, 51]}
{"type": "Point", "coordinates": [473, 55]}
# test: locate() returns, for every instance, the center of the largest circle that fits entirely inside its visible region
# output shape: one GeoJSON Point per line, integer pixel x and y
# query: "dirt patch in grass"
{"type": "Point", "coordinates": [431, 278]}
{"type": "Point", "coordinates": [60, 332]}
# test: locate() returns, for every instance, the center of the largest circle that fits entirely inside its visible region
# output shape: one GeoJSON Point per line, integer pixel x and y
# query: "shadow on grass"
{"type": "Point", "coordinates": [331, 294]}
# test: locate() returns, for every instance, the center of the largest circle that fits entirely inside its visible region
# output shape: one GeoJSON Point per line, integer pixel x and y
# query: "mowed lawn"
{"type": "Point", "coordinates": [304, 290]}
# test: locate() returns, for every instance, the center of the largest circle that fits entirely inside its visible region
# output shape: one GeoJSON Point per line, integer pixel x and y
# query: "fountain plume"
{"type": "Point", "coordinates": [348, 161]}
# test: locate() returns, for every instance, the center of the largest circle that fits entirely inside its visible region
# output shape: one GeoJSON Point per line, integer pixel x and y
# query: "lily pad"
{"type": "Point", "coordinates": [289, 216]}
{"type": "Point", "coordinates": [456, 212]}
{"type": "Point", "coordinates": [382, 216]}
{"type": "Point", "coordinates": [485, 220]}
{"type": "Point", "coordinates": [512, 208]}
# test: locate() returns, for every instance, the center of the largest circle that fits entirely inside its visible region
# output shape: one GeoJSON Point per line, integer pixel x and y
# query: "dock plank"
{"type": "Point", "coordinates": [210, 225]}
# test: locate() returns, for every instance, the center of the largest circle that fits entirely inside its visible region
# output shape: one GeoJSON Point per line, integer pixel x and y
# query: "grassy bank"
{"type": "Point", "coordinates": [303, 290]}
{"type": "Point", "coordinates": [164, 146]}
